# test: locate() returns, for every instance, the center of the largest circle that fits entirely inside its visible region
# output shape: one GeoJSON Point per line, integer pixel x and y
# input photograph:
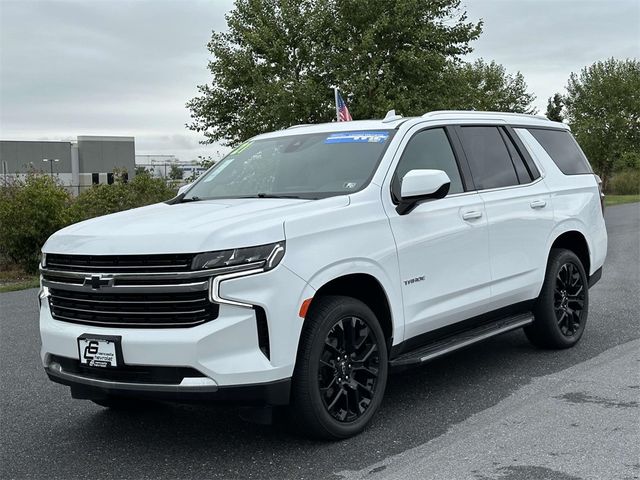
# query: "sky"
{"type": "Point", "coordinates": [127, 67]}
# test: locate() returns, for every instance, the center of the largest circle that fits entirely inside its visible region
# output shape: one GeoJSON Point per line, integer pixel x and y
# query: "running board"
{"type": "Point", "coordinates": [461, 340]}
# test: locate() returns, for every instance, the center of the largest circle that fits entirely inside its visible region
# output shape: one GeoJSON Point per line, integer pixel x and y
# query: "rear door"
{"type": "Point", "coordinates": [443, 245]}
{"type": "Point", "coordinates": [518, 207]}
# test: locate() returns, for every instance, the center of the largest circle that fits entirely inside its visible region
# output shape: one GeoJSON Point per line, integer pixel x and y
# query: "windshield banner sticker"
{"type": "Point", "coordinates": [241, 148]}
{"type": "Point", "coordinates": [357, 137]}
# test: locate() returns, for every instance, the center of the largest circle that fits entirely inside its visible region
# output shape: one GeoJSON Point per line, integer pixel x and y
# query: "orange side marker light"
{"type": "Point", "coordinates": [304, 307]}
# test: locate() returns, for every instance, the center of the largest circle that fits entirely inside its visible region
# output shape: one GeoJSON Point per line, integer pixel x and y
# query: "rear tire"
{"type": "Point", "coordinates": [341, 369]}
{"type": "Point", "coordinates": [562, 308]}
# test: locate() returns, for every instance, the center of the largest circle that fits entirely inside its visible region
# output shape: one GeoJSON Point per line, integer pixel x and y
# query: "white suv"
{"type": "Point", "coordinates": [308, 262]}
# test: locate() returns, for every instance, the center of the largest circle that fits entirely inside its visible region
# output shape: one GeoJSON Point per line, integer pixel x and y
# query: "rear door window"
{"type": "Point", "coordinates": [488, 157]}
{"type": "Point", "coordinates": [521, 169]}
{"type": "Point", "coordinates": [563, 150]}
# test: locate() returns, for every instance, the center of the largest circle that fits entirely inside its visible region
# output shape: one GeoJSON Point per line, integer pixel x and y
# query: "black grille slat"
{"type": "Point", "coordinates": [57, 305]}
{"type": "Point", "coordinates": [120, 263]}
{"type": "Point", "coordinates": [135, 310]}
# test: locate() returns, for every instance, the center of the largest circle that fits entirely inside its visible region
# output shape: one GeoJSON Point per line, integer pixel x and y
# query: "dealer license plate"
{"type": "Point", "coordinates": [98, 352]}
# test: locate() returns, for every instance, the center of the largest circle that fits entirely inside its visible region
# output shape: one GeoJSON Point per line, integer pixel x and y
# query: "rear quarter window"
{"type": "Point", "coordinates": [563, 150]}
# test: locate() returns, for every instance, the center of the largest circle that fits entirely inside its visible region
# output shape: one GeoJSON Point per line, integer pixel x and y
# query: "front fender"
{"type": "Point", "coordinates": [364, 266]}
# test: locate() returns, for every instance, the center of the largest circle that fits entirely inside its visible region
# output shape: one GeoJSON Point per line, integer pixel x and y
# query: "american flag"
{"type": "Point", "coordinates": [341, 109]}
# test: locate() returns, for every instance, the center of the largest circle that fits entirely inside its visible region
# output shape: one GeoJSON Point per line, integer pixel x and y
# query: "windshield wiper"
{"type": "Point", "coordinates": [272, 195]}
{"type": "Point", "coordinates": [190, 199]}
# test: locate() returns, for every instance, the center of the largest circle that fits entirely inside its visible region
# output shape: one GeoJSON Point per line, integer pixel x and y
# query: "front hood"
{"type": "Point", "coordinates": [183, 227]}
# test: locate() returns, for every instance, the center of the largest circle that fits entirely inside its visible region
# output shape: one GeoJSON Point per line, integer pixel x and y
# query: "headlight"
{"type": "Point", "coordinates": [262, 256]}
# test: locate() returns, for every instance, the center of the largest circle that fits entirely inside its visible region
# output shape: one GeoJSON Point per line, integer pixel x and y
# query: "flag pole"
{"type": "Point", "coordinates": [335, 95]}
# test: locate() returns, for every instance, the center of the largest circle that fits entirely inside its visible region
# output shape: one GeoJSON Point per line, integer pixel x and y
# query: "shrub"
{"type": "Point", "coordinates": [104, 199]}
{"type": "Point", "coordinates": [31, 209]}
{"type": "Point", "coordinates": [625, 182]}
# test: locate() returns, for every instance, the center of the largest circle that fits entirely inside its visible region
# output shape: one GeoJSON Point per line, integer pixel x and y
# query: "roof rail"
{"type": "Point", "coordinates": [436, 113]}
{"type": "Point", "coordinates": [299, 126]}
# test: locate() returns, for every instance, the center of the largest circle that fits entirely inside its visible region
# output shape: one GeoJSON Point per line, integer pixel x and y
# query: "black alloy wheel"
{"type": "Point", "coordinates": [341, 369]}
{"type": "Point", "coordinates": [568, 299]}
{"type": "Point", "coordinates": [561, 310]}
{"type": "Point", "coordinates": [348, 369]}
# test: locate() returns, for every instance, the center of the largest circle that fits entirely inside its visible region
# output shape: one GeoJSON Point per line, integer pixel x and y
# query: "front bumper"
{"type": "Point", "coordinates": [190, 389]}
{"type": "Point", "coordinates": [224, 352]}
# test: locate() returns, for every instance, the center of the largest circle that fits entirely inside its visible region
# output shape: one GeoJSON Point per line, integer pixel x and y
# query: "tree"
{"type": "Point", "coordinates": [142, 171]}
{"type": "Point", "coordinates": [276, 63]}
{"type": "Point", "coordinates": [554, 108]}
{"type": "Point", "coordinates": [603, 109]}
{"type": "Point", "coordinates": [487, 86]}
{"type": "Point", "coordinates": [31, 209]}
{"type": "Point", "coordinates": [175, 172]}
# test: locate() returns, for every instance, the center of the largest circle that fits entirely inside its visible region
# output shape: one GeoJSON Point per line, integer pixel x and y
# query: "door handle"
{"type": "Point", "coordinates": [538, 204]}
{"type": "Point", "coordinates": [471, 215]}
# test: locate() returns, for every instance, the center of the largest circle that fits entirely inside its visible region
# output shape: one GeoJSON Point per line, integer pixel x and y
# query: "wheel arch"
{"type": "Point", "coordinates": [575, 241]}
{"type": "Point", "coordinates": [366, 288]}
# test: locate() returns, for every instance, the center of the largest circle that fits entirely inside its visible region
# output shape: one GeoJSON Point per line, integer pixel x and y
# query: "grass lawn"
{"type": "Point", "coordinates": [33, 282]}
{"type": "Point", "coordinates": [620, 199]}
{"type": "Point", "coordinates": [12, 278]}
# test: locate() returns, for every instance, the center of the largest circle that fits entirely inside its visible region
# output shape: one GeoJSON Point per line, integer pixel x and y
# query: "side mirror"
{"type": "Point", "coordinates": [421, 185]}
{"type": "Point", "coordinates": [183, 188]}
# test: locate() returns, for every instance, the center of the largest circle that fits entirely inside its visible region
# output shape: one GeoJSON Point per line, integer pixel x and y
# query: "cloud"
{"type": "Point", "coordinates": [125, 67]}
{"type": "Point", "coordinates": [546, 40]}
{"type": "Point", "coordinates": [104, 67]}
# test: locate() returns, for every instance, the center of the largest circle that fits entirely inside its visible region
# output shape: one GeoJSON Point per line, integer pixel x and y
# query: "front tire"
{"type": "Point", "coordinates": [562, 308]}
{"type": "Point", "coordinates": [341, 369]}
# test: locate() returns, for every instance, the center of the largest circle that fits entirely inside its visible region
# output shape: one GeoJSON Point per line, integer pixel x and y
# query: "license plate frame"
{"type": "Point", "coordinates": [100, 351]}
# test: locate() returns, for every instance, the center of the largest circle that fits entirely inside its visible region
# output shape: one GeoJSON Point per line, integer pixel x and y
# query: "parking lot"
{"type": "Point", "coordinates": [501, 409]}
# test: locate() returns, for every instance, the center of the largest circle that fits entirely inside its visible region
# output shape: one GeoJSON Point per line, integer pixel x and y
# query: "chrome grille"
{"type": "Point", "coordinates": [135, 292]}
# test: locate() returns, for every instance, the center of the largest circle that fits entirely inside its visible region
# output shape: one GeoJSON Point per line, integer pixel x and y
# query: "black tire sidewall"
{"type": "Point", "coordinates": [546, 322]}
{"type": "Point", "coordinates": [332, 309]}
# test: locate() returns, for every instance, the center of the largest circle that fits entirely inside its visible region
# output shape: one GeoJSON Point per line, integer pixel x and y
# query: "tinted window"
{"type": "Point", "coordinates": [563, 150]}
{"type": "Point", "coordinates": [521, 170]}
{"type": "Point", "coordinates": [429, 149]}
{"type": "Point", "coordinates": [305, 165]}
{"type": "Point", "coordinates": [488, 157]}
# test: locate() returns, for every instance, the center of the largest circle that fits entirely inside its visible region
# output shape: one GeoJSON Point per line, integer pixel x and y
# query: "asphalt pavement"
{"type": "Point", "coordinates": [498, 410]}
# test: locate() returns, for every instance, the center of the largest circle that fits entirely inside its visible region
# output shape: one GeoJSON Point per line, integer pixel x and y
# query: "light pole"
{"type": "Point", "coordinates": [51, 160]}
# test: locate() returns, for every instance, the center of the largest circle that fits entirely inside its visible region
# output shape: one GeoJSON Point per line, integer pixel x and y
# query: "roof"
{"type": "Point", "coordinates": [394, 122]}
{"type": "Point", "coordinates": [354, 125]}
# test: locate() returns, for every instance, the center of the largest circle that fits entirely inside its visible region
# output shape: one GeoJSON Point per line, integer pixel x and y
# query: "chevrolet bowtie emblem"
{"type": "Point", "coordinates": [97, 281]}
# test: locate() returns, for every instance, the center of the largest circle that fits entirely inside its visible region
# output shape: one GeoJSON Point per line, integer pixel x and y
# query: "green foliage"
{"type": "Point", "coordinates": [104, 199]}
{"type": "Point", "coordinates": [30, 210]}
{"type": "Point", "coordinates": [554, 108]}
{"type": "Point", "coordinates": [603, 109]}
{"type": "Point", "coordinates": [487, 86]}
{"type": "Point", "coordinates": [175, 172]}
{"type": "Point", "coordinates": [276, 63]}
{"type": "Point", "coordinates": [33, 208]}
{"type": "Point", "coordinates": [625, 182]}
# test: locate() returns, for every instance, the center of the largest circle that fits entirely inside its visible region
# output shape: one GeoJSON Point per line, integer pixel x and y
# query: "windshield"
{"type": "Point", "coordinates": [314, 165]}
